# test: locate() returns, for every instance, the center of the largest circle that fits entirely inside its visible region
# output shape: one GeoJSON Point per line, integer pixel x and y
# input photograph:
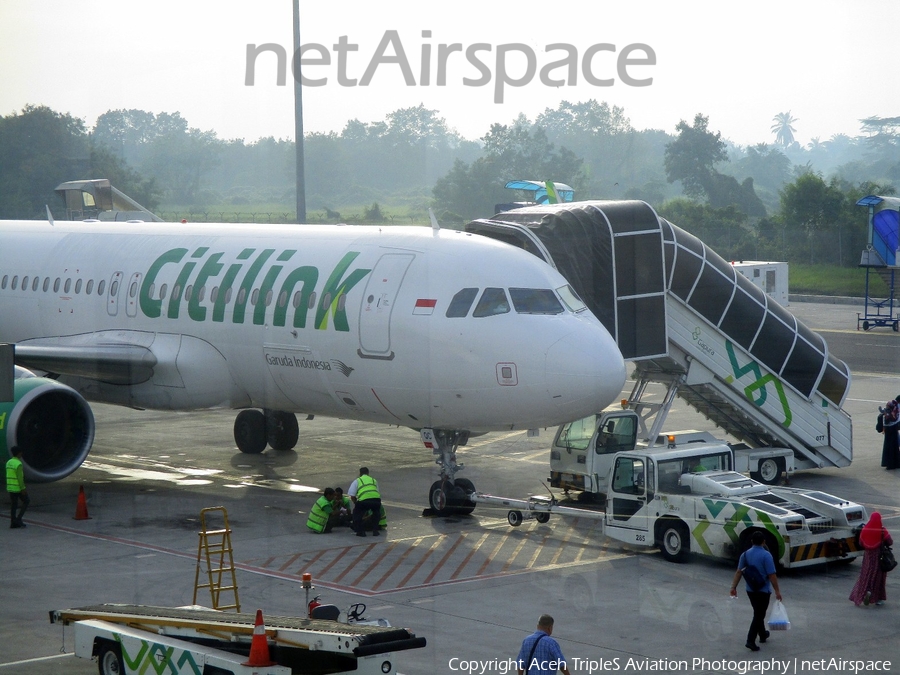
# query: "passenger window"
{"type": "Point", "coordinates": [461, 303]}
{"type": "Point", "coordinates": [34, 283]}
{"type": "Point", "coordinates": [493, 301]}
{"type": "Point", "coordinates": [88, 289]}
{"type": "Point", "coordinates": [535, 301]}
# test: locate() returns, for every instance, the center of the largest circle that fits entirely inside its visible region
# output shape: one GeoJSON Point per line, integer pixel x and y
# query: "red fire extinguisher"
{"type": "Point", "coordinates": [312, 605]}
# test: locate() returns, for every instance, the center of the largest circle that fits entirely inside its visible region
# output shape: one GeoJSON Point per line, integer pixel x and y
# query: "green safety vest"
{"type": "Point", "coordinates": [367, 488]}
{"type": "Point", "coordinates": [318, 515]}
{"type": "Point", "coordinates": [15, 475]}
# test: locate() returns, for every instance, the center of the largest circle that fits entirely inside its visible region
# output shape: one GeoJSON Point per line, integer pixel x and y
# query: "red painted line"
{"type": "Point", "coordinates": [441, 562]}
{"type": "Point", "coordinates": [397, 564]}
{"type": "Point", "coordinates": [490, 558]}
{"type": "Point", "coordinates": [422, 561]}
{"type": "Point", "coordinates": [537, 552]}
{"type": "Point", "coordinates": [341, 552]}
{"type": "Point", "coordinates": [365, 552]}
{"type": "Point", "coordinates": [294, 557]}
{"type": "Point", "coordinates": [378, 560]}
{"type": "Point", "coordinates": [469, 557]}
{"type": "Point", "coordinates": [515, 554]}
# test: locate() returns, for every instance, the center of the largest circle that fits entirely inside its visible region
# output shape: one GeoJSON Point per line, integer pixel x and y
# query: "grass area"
{"type": "Point", "coordinates": [829, 280]}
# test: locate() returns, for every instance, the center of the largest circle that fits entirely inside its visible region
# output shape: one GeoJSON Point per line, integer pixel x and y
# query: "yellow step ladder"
{"type": "Point", "coordinates": [215, 549]}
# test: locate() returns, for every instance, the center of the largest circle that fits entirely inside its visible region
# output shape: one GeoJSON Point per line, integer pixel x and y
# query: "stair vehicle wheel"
{"type": "Point", "coordinates": [250, 431]}
{"type": "Point", "coordinates": [895, 326]}
{"type": "Point", "coordinates": [769, 471]}
{"type": "Point", "coordinates": [109, 660]}
{"type": "Point", "coordinates": [514, 518]}
{"type": "Point", "coordinates": [865, 325]}
{"type": "Point", "coordinates": [673, 541]}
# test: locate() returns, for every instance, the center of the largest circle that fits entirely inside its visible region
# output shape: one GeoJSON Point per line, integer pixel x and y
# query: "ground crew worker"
{"type": "Point", "coordinates": [15, 485]}
{"type": "Point", "coordinates": [367, 499]}
{"type": "Point", "coordinates": [382, 521]}
{"type": "Point", "coordinates": [342, 509]}
{"type": "Point", "coordinates": [319, 520]}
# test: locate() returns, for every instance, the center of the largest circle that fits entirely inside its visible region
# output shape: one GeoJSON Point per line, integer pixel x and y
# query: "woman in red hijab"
{"type": "Point", "coordinates": [870, 587]}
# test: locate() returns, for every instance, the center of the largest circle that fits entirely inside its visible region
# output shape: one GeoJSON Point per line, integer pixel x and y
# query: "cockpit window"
{"type": "Point", "coordinates": [570, 297]}
{"type": "Point", "coordinates": [493, 301]}
{"type": "Point", "coordinates": [461, 302]}
{"type": "Point", "coordinates": [535, 301]}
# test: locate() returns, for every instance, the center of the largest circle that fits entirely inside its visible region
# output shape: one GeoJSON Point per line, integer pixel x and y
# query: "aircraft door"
{"type": "Point", "coordinates": [112, 298]}
{"type": "Point", "coordinates": [378, 305]}
{"type": "Point", "coordinates": [631, 491]}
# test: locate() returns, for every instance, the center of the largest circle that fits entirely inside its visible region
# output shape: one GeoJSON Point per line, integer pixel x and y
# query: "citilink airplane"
{"type": "Point", "coordinates": [445, 332]}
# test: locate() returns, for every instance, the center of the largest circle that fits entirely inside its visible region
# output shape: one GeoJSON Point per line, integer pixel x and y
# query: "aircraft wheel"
{"type": "Point", "coordinates": [462, 488]}
{"type": "Point", "coordinates": [109, 661]}
{"type": "Point", "coordinates": [514, 518]}
{"type": "Point", "coordinates": [438, 498]}
{"type": "Point", "coordinates": [674, 543]}
{"type": "Point", "coordinates": [250, 431]}
{"type": "Point", "coordinates": [542, 517]}
{"type": "Point", "coordinates": [282, 430]}
{"type": "Point", "coordinates": [769, 471]}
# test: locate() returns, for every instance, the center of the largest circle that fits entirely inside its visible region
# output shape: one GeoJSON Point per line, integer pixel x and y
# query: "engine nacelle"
{"type": "Point", "coordinates": [52, 424]}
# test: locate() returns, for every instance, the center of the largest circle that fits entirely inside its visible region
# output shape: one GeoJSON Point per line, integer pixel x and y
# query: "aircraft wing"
{"type": "Point", "coordinates": [94, 356]}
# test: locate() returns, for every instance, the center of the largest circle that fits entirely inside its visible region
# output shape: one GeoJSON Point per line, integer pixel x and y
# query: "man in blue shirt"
{"type": "Point", "coordinates": [758, 557]}
{"type": "Point", "coordinates": [540, 654]}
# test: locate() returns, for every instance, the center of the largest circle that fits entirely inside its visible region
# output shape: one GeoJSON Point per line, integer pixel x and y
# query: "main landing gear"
{"type": "Point", "coordinates": [449, 495]}
{"type": "Point", "coordinates": [254, 429]}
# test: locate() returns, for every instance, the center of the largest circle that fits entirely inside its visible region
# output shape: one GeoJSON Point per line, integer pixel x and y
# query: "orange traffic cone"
{"type": "Point", "coordinates": [259, 646]}
{"type": "Point", "coordinates": [81, 509]}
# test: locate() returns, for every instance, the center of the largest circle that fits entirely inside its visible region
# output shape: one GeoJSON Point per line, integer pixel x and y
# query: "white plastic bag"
{"type": "Point", "coordinates": [778, 617]}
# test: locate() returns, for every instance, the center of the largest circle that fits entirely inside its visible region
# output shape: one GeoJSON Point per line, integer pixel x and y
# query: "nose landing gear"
{"type": "Point", "coordinates": [449, 495]}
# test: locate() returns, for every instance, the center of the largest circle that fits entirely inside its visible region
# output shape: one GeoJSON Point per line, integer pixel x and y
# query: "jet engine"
{"type": "Point", "coordinates": [50, 422]}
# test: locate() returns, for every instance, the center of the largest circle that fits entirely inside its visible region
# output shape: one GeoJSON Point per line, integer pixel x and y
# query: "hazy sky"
{"type": "Point", "coordinates": [830, 63]}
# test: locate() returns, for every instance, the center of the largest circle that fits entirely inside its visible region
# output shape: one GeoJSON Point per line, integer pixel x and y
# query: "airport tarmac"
{"type": "Point", "coordinates": [472, 585]}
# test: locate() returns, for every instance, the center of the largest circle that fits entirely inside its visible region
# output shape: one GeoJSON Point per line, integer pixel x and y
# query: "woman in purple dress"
{"type": "Point", "coordinates": [870, 587]}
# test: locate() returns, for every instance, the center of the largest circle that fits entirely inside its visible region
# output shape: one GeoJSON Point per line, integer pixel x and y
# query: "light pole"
{"type": "Point", "coordinates": [298, 118]}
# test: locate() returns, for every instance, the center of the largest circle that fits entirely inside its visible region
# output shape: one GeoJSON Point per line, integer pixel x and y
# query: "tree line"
{"type": "Point", "coordinates": [779, 200]}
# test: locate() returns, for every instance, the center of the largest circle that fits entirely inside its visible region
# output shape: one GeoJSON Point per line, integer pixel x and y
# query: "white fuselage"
{"type": "Point", "coordinates": [342, 321]}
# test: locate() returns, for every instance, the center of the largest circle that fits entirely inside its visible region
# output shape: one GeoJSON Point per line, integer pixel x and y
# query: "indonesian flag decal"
{"type": "Point", "coordinates": [424, 306]}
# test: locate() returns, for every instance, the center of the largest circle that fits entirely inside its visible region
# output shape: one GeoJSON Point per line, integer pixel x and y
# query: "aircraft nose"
{"type": "Point", "coordinates": [585, 371]}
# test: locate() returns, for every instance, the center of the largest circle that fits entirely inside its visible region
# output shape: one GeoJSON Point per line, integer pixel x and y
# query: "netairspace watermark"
{"type": "Point", "coordinates": [793, 666]}
{"type": "Point", "coordinates": [515, 64]}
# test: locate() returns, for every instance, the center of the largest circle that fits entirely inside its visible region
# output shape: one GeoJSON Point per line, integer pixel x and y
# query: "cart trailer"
{"type": "Point", "coordinates": [137, 639]}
